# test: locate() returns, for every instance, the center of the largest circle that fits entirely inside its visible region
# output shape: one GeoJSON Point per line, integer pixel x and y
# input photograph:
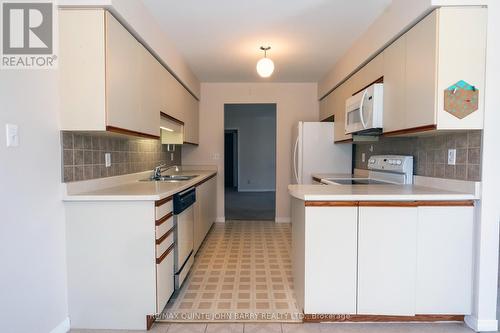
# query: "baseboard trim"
{"type": "Point", "coordinates": [63, 327]}
{"type": "Point", "coordinates": [220, 219]}
{"type": "Point", "coordinates": [282, 219]}
{"type": "Point", "coordinates": [481, 325]}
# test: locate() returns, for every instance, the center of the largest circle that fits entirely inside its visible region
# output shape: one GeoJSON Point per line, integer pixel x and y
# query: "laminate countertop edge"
{"type": "Point", "coordinates": [142, 190]}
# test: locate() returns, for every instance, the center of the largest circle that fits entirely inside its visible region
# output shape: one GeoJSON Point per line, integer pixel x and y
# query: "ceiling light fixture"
{"type": "Point", "coordinates": [166, 129]}
{"type": "Point", "coordinates": [265, 66]}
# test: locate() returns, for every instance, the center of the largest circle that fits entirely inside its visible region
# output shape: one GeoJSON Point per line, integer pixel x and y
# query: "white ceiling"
{"type": "Point", "coordinates": [220, 39]}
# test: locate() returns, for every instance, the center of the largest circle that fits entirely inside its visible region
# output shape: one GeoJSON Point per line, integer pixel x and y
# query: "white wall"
{"type": "Point", "coordinates": [487, 225]}
{"type": "Point", "coordinates": [295, 102]}
{"type": "Point", "coordinates": [256, 125]}
{"type": "Point", "coordinates": [32, 232]}
{"type": "Point", "coordinates": [134, 15]}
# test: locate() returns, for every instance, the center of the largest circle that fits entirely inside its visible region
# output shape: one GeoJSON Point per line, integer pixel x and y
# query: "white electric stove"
{"type": "Point", "coordinates": [383, 169]}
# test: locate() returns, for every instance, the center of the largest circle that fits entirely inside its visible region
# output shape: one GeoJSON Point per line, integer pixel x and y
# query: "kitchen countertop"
{"type": "Point", "coordinates": [373, 192]}
{"type": "Point", "coordinates": [136, 190]}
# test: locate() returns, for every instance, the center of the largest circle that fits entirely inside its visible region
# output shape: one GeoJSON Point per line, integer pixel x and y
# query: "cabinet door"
{"type": "Point", "coordinates": [420, 82]}
{"type": "Point", "coordinates": [190, 110]}
{"type": "Point", "coordinates": [444, 260]}
{"type": "Point", "coordinates": [150, 94]}
{"type": "Point", "coordinates": [205, 208]}
{"type": "Point", "coordinates": [394, 86]}
{"type": "Point", "coordinates": [339, 97]}
{"type": "Point", "coordinates": [124, 62]}
{"type": "Point", "coordinates": [387, 260]}
{"type": "Point", "coordinates": [325, 109]}
{"type": "Point", "coordinates": [174, 98]}
{"type": "Point", "coordinates": [164, 281]}
{"type": "Point", "coordinates": [330, 260]}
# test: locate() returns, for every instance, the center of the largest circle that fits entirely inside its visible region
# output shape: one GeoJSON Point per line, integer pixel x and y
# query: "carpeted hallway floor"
{"type": "Point", "coordinates": [249, 205]}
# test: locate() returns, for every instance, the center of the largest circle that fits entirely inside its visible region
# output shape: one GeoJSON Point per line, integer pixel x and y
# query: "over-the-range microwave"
{"type": "Point", "coordinates": [364, 111]}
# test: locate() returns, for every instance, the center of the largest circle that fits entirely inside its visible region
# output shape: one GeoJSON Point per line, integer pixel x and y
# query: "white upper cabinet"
{"type": "Point", "coordinates": [394, 79]}
{"type": "Point", "coordinates": [110, 81]}
{"type": "Point", "coordinates": [419, 86]}
{"type": "Point", "coordinates": [446, 47]}
{"type": "Point", "coordinates": [130, 103]}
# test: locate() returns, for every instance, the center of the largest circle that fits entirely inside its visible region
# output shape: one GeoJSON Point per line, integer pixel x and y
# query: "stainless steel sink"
{"type": "Point", "coordinates": [169, 178]}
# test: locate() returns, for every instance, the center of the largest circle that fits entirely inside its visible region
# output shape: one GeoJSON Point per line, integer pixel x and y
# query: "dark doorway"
{"type": "Point", "coordinates": [231, 158]}
{"type": "Point", "coordinates": [250, 161]}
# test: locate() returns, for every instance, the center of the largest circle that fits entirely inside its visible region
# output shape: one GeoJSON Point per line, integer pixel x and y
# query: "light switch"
{"type": "Point", "coordinates": [107, 159]}
{"type": "Point", "coordinates": [452, 156]}
{"type": "Point", "coordinates": [11, 131]}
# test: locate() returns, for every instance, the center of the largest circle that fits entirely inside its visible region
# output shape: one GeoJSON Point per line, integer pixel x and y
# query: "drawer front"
{"type": "Point", "coordinates": [164, 281]}
{"type": "Point", "coordinates": [163, 208]}
{"type": "Point", "coordinates": [164, 242]}
{"type": "Point", "coordinates": [164, 227]}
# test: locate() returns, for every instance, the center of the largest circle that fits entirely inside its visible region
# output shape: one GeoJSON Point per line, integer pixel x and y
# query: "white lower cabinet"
{"type": "Point", "coordinates": [164, 281]}
{"type": "Point", "coordinates": [386, 260]}
{"type": "Point", "coordinates": [444, 260]}
{"type": "Point", "coordinates": [330, 260]}
{"type": "Point", "coordinates": [205, 210]}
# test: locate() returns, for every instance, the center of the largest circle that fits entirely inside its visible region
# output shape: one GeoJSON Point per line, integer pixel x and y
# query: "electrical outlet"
{"type": "Point", "coordinates": [215, 156]}
{"type": "Point", "coordinates": [363, 157]}
{"type": "Point", "coordinates": [107, 160]}
{"type": "Point", "coordinates": [452, 156]}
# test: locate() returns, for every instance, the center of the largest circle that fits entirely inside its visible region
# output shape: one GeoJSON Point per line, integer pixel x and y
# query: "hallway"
{"type": "Point", "coordinates": [249, 205]}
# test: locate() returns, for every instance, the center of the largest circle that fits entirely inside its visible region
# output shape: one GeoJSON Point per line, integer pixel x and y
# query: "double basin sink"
{"type": "Point", "coordinates": [169, 178]}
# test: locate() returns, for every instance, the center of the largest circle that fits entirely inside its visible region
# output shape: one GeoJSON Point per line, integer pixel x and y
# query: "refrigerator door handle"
{"type": "Point", "coordinates": [295, 160]}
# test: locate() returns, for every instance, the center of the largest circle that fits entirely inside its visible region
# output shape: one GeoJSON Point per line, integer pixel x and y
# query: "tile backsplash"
{"type": "Point", "coordinates": [430, 154]}
{"type": "Point", "coordinates": [83, 155]}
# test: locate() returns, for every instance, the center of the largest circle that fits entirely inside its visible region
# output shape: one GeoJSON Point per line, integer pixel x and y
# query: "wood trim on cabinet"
{"type": "Point", "coordinates": [460, 203]}
{"type": "Point", "coordinates": [169, 117]}
{"type": "Point", "coordinates": [163, 201]}
{"type": "Point", "coordinates": [150, 319]}
{"type": "Point", "coordinates": [330, 203]}
{"type": "Point", "coordinates": [381, 318]}
{"type": "Point", "coordinates": [329, 119]}
{"type": "Point", "coordinates": [165, 254]}
{"type": "Point", "coordinates": [344, 141]}
{"type": "Point", "coordinates": [388, 204]}
{"type": "Point", "coordinates": [190, 143]}
{"type": "Point", "coordinates": [428, 203]}
{"type": "Point", "coordinates": [317, 179]}
{"type": "Point", "coordinates": [418, 129]}
{"type": "Point", "coordinates": [163, 219]}
{"type": "Point", "coordinates": [165, 236]}
{"type": "Point", "coordinates": [379, 80]}
{"type": "Point", "coordinates": [129, 132]}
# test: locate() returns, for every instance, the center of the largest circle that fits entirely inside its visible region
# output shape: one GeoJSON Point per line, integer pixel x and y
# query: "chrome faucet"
{"type": "Point", "coordinates": [161, 168]}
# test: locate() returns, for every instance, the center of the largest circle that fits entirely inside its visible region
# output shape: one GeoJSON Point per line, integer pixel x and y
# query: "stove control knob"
{"type": "Point", "coordinates": [398, 162]}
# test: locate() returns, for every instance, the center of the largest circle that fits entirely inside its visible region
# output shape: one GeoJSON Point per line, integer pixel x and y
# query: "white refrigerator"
{"type": "Point", "coordinates": [315, 152]}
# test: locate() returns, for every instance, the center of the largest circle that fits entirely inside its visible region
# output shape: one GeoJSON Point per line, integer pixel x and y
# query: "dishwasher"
{"type": "Point", "coordinates": [183, 235]}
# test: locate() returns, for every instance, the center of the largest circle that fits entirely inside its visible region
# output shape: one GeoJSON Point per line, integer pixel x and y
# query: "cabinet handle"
{"type": "Point", "coordinates": [163, 219]}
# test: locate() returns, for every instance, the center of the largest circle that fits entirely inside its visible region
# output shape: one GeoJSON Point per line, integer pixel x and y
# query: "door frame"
{"type": "Point", "coordinates": [237, 132]}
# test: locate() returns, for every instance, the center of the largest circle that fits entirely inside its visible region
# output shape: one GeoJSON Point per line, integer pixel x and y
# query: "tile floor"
{"type": "Point", "coordinates": [242, 272]}
{"type": "Point", "coordinates": [297, 328]}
